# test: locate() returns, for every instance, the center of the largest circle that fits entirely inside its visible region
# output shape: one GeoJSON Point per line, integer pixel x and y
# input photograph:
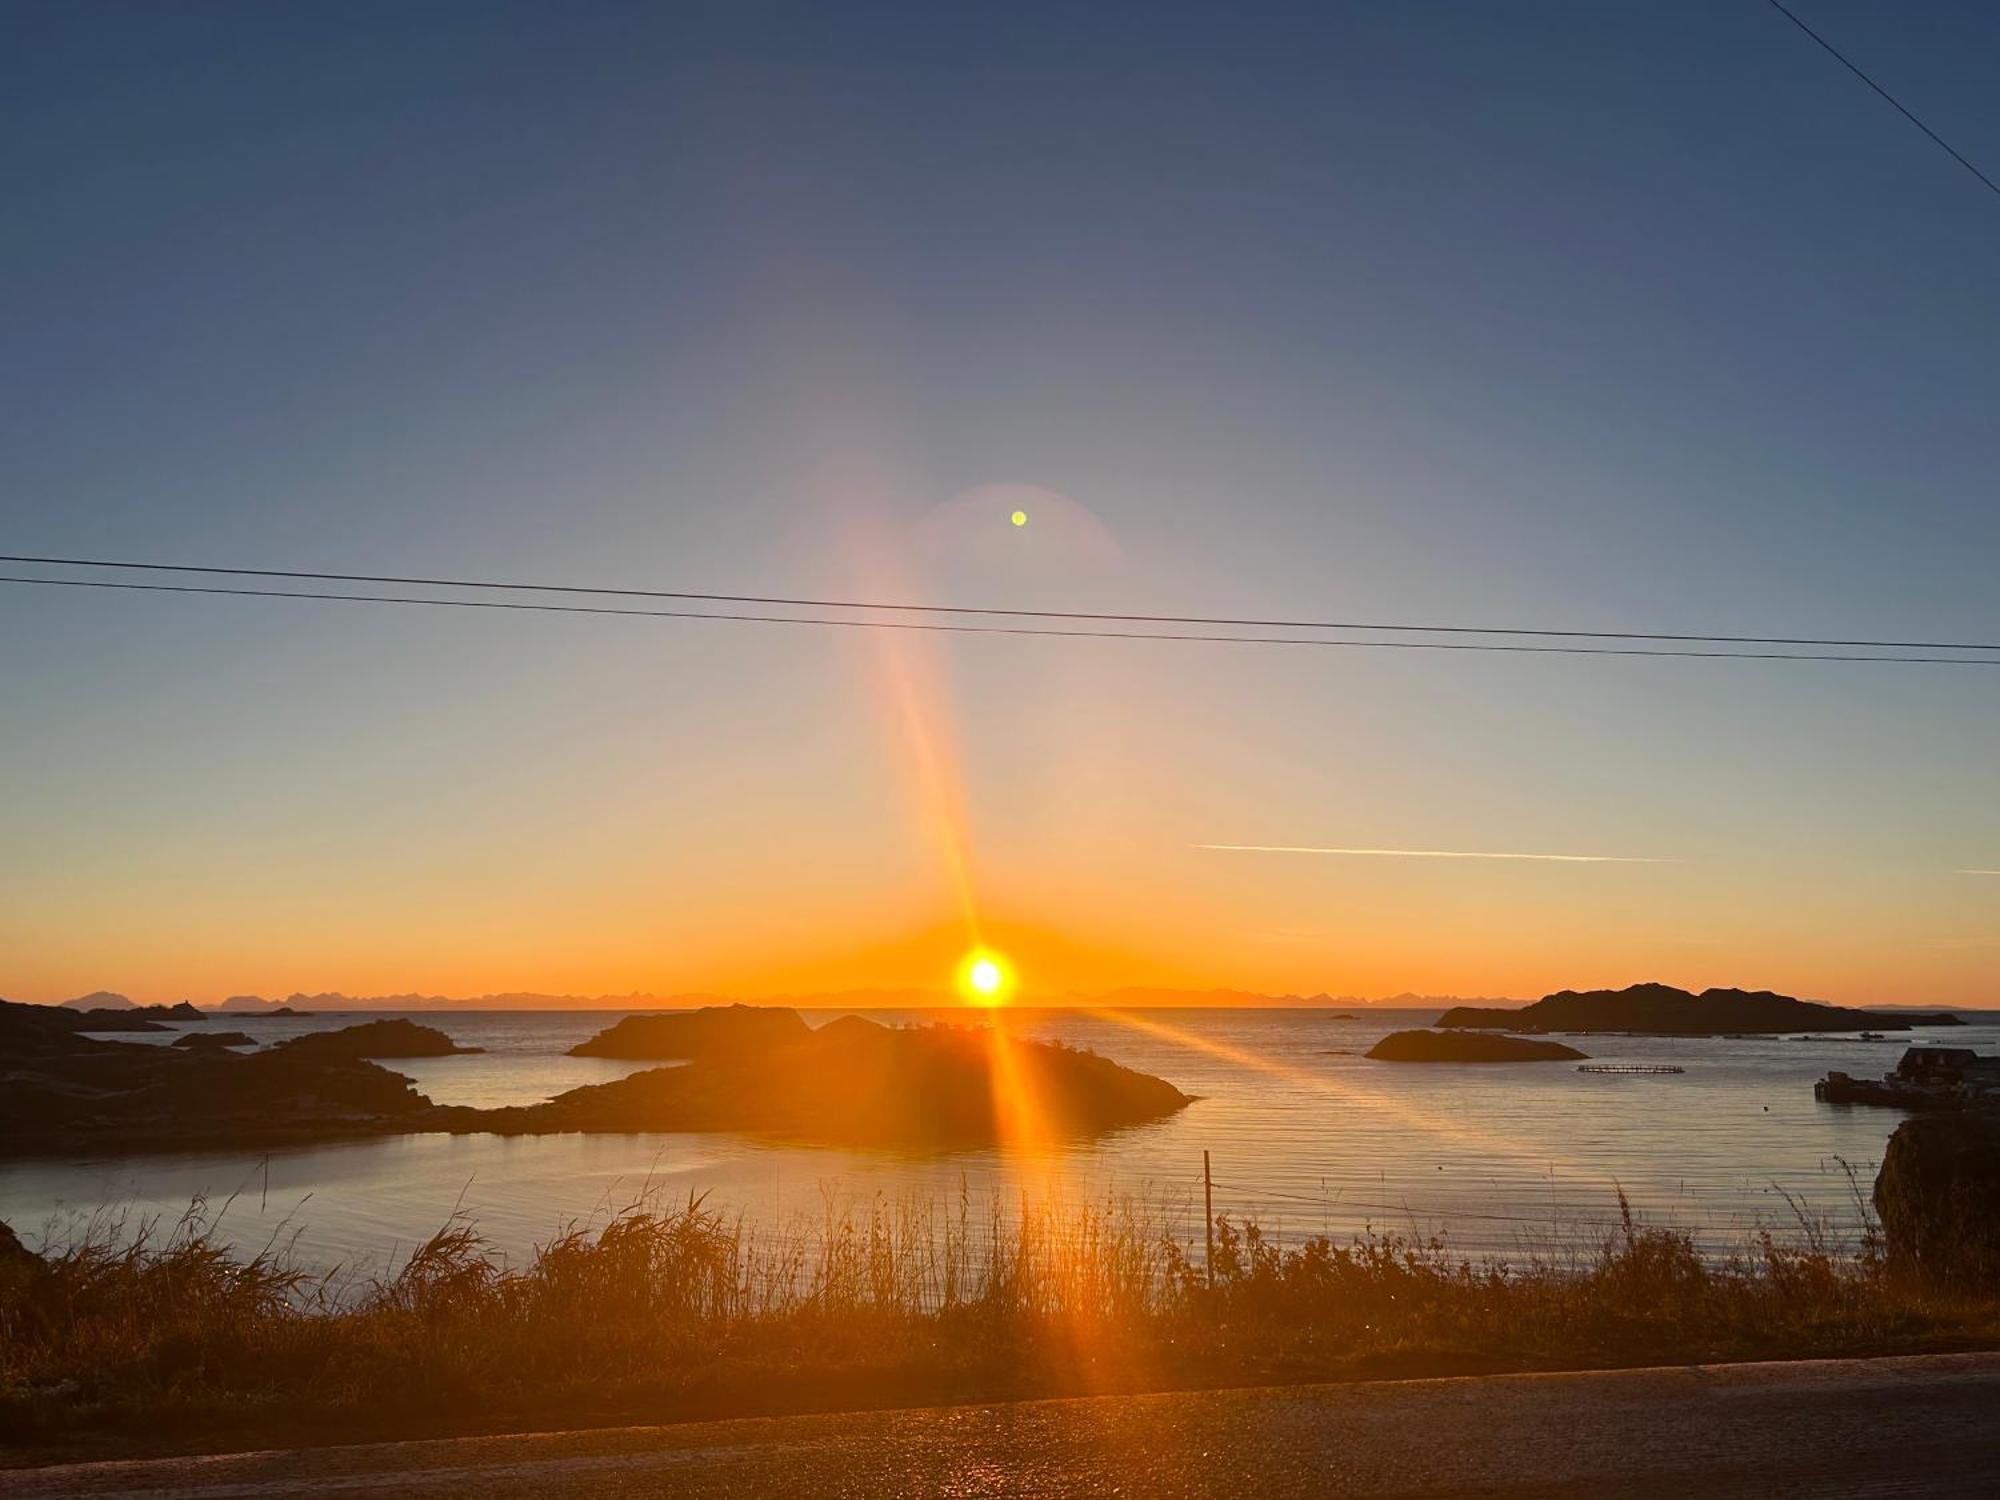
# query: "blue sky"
{"type": "Point", "coordinates": [1560, 315]}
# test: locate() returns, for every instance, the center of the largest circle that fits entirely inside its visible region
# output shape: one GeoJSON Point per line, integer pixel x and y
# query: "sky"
{"type": "Point", "coordinates": [1558, 315]}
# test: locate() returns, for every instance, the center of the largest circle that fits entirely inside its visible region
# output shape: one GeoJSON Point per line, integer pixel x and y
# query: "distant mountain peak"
{"type": "Point", "coordinates": [241, 1003]}
{"type": "Point", "coordinates": [100, 1000]}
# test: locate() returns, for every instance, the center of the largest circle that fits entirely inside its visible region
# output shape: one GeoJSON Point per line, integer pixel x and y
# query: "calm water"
{"type": "Point", "coordinates": [1303, 1131]}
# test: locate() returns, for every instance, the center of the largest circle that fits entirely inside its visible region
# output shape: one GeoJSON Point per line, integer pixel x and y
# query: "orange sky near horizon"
{"type": "Point", "coordinates": [1379, 940]}
{"type": "Point", "coordinates": [1125, 816]}
{"type": "Point", "coordinates": [916, 797]}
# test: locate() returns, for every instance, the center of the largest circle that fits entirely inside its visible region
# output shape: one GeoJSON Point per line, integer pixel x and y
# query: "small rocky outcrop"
{"type": "Point", "coordinates": [1468, 1047]}
{"type": "Point", "coordinates": [713, 1031]}
{"type": "Point", "coordinates": [213, 1041]}
{"type": "Point", "coordinates": [126, 1016]}
{"type": "Point", "coordinates": [116, 1020]}
{"type": "Point", "coordinates": [12, 1251]}
{"type": "Point", "coordinates": [374, 1039]}
{"type": "Point", "coordinates": [1938, 1197]}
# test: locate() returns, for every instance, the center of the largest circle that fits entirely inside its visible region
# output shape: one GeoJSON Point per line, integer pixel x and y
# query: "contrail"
{"type": "Point", "coordinates": [1570, 859]}
{"type": "Point", "coordinates": [1976, 872]}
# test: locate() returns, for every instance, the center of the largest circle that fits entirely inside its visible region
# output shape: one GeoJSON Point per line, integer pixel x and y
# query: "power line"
{"type": "Point", "coordinates": [1216, 622]}
{"type": "Point", "coordinates": [1841, 58]}
{"type": "Point", "coordinates": [949, 628]}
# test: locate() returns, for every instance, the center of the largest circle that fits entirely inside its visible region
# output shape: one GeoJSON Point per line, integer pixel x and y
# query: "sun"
{"type": "Point", "coordinates": [984, 978]}
{"type": "Point", "coordinates": [1019, 518]}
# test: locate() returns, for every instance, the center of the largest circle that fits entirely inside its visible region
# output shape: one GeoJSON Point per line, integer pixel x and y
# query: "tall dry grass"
{"type": "Point", "coordinates": [163, 1339]}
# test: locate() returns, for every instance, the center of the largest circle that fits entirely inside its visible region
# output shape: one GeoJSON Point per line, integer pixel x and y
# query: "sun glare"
{"type": "Point", "coordinates": [1019, 518]}
{"type": "Point", "coordinates": [984, 979]}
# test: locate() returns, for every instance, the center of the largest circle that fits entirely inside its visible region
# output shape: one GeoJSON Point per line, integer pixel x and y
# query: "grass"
{"type": "Point", "coordinates": [162, 1340]}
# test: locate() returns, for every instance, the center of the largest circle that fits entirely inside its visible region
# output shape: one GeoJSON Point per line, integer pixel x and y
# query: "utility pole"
{"type": "Point", "coordinates": [1208, 1219]}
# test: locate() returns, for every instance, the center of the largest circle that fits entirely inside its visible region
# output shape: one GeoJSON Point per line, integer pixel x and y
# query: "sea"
{"type": "Point", "coordinates": [1292, 1126]}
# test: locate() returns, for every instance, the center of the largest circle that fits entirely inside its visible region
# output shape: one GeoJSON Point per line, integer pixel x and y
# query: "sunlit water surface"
{"type": "Point", "coordinates": [1303, 1131]}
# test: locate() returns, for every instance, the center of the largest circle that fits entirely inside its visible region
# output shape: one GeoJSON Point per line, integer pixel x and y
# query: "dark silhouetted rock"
{"type": "Point", "coordinates": [372, 1039]}
{"type": "Point", "coordinates": [1938, 1197]}
{"type": "Point", "coordinates": [15, 1256]}
{"type": "Point", "coordinates": [709, 1032]}
{"type": "Point", "coordinates": [1468, 1047]}
{"type": "Point", "coordinates": [43, 1030]}
{"type": "Point", "coordinates": [213, 1041]}
{"type": "Point", "coordinates": [117, 1020]}
{"type": "Point", "coordinates": [126, 1097]}
{"type": "Point", "coordinates": [130, 1017]}
{"type": "Point", "coordinates": [1662, 1010]}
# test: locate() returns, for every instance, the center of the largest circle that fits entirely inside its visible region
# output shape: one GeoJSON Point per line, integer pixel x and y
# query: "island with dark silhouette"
{"type": "Point", "coordinates": [1468, 1047]}
{"type": "Point", "coordinates": [249, 1007]}
{"type": "Point", "coordinates": [855, 1081]}
{"type": "Point", "coordinates": [758, 1070]}
{"type": "Point", "coordinates": [684, 1035]}
{"type": "Point", "coordinates": [374, 1039]}
{"type": "Point", "coordinates": [62, 1091]}
{"type": "Point", "coordinates": [213, 1041]}
{"type": "Point", "coordinates": [106, 1011]}
{"type": "Point", "coordinates": [1663, 1010]}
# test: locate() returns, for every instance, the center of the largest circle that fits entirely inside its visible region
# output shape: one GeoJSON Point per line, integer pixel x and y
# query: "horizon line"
{"type": "Point", "coordinates": [1580, 859]}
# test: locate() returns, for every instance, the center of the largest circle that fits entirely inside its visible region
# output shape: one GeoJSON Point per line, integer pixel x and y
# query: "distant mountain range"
{"type": "Point", "coordinates": [1128, 998]}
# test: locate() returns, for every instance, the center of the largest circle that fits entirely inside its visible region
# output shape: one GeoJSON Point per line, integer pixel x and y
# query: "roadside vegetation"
{"type": "Point", "coordinates": [163, 1340]}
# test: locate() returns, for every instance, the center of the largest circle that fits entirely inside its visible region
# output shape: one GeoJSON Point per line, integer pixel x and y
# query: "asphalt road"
{"type": "Point", "coordinates": [1921, 1426]}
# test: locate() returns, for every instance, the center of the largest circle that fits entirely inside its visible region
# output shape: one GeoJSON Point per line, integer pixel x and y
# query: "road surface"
{"type": "Point", "coordinates": [1927, 1425]}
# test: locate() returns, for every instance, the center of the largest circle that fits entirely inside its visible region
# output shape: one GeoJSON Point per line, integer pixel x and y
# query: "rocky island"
{"type": "Point", "coordinates": [213, 1041]}
{"type": "Point", "coordinates": [374, 1039]}
{"type": "Point", "coordinates": [761, 1070]}
{"type": "Point", "coordinates": [105, 1011]}
{"type": "Point", "coordinates": [853, 1081]}
{"type": "Point", "coordinates": [61, 1091]}
{"type": "Point", "coordinates": [684, 1035]}
{"type": "Point", "coordinates": [1663, 1010]}
{"type": "Point", "coordinates": [1469, 1047]}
